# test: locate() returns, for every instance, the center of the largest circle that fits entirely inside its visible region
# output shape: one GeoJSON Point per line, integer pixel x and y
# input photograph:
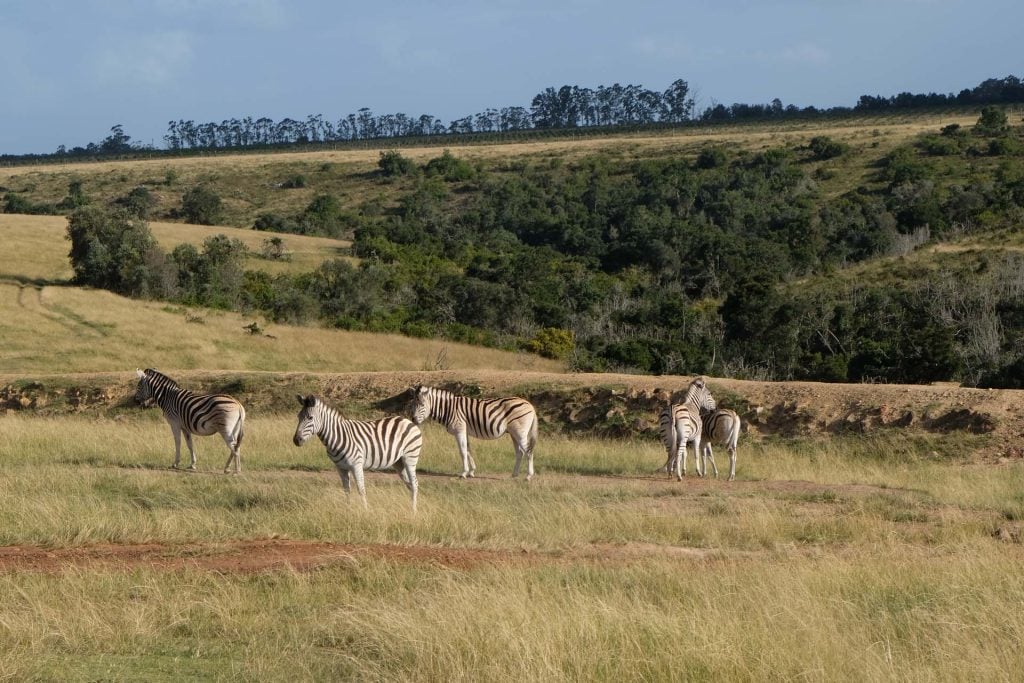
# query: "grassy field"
{"type": "Point", "coordinates": [598, 569]}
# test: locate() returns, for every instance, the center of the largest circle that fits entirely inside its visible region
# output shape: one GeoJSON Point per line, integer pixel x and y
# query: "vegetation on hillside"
{"type": "Point", "coordinates": [721, 264]}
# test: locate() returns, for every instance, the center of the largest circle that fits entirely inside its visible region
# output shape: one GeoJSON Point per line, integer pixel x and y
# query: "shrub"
{"type": "Point", "coordinates": [449, 167]}
{"type": "Point", "coordinates": [202, 206]}
{"type": "Point", "coordinates": [114, 250]}
{"type": "Point", "coordinates": [711, 157]}
{"type": "Point", "coordinates": [552, 342]}
{"type": "Point", "coordinates": [139, 202]}
{"type": "Point", "coordinates": [393, 164]}
{"type": "Point", "coordinates": [825, 147]}
{"type": "Point", "coordinates": [992, 121]}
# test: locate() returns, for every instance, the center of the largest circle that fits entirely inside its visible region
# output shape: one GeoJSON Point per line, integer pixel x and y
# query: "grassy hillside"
{"type": "Point", "coordinates": [37, 247]}
{"type": "Point", "coordinates": [251, 184]}
{"type": "Point", "coordinates": [68, 329]}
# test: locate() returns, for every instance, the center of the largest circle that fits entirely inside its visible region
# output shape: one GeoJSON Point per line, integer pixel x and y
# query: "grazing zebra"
{"type": "Point", "coordinates": [354, 446]}
{"type": "Point", "coordinates": [191, 413]}
{"type": "Point", "coordinates": [720, 426]}
{"type": "Point", "coordinates": [482, 418]}
{"type": "Point", "coordinates": [681, 424]}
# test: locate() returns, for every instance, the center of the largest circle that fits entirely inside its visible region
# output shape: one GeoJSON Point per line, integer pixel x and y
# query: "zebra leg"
{"type": "Point", "coordinates": [408, 475]}
{"type": "Point", "coordinates": [468, 466]}
{"type": "Point", "coordinates": [345, 483]}
{"type": "Point", "coordinates": [229, 439]}
{"type": "Point", "coordinates": [732, 462]}
{"type": "Point", "coordinates": [709, 454]}
{"type": "Point", "coordinates": [357, 473]}
{"type": "Point", "coordinates": [176, 431]}
{"type": "Point", "coordinates": [191, 449]}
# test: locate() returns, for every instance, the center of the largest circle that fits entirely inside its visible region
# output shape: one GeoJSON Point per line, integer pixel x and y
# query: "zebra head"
{"type": "Point", "coordinates": [423, 402]}
{"type": "Point", "coordinates": [144, 395]}
{"type": "Point", "coordinates": [309, 419]}
{"type": "Point", "coordinates": [699, 395]}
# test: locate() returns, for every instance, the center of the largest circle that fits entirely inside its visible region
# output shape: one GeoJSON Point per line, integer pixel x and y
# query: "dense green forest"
{"type": "Point", "coordinates": [726, 262]}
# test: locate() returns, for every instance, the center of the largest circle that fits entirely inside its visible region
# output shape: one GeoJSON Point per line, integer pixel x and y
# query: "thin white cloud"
{"type": "Point", "coordinates": [152, 60]}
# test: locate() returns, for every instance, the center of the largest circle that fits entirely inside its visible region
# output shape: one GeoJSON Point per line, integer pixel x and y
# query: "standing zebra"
{"type": "Point", "coordinates": [720, 426]}
{"type": "Point", "coordinates": [482, 418]}
{"type": "Point", "coordinates": [355, 446]}
{"type": "Point", "coordinates": [191, 413]}
{"type": "Point", "coordinates": [681, 424]}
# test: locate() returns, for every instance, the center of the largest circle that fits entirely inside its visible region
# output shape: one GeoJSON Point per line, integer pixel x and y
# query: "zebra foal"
{"type": "Point", "coordinates": [354, 446]}
{"type": "Point", "coordinates": [481, 418]}
{"type": "Point", "coordinates": [190, 413]}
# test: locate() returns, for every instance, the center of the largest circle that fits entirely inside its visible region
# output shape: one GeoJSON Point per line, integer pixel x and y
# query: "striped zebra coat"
{"type": "Point", "coordinates": [721, 426]}
{"type": "Point", "coordinates": [681, 424]}
{"type": "Point", "coordinates": [189, 413]}
{"type": "Point", "coordinates": [481, 418]}
{"type": "Point", "coordinates": [354, 446]}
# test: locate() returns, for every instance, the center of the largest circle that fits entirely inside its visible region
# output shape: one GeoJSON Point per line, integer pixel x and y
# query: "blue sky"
{"type": "Point", "coordinates": [71, 69]}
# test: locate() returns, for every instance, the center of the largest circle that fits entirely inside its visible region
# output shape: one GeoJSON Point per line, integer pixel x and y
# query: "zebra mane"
{"type": "Point", "coordinates": [161, 379]}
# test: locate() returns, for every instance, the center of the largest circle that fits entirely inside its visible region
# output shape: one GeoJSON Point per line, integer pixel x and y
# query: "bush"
{"type": "Point", "coordinates": [202, 206]}
{"type": "Point", "coordinates": [274, 223]}
{"type": "Point", "coordinates": [16, 203]}
{"type": "Point", "coordinates": [139, 202]}
{"type": "Point", "coordinates": [552, 342]}
{"type": "Point", "coordinates": [114, 250]}
{"type": "Point", "coordinates": [449, 167]}
{"type": "Point", "coordinates": [992, 121]}
{"type": "Point", "coordinates": [711, 157]}
{"type": "Point", "coordinates": [393, 164]}
{"type": "Point", "coordinates": [825, 147]}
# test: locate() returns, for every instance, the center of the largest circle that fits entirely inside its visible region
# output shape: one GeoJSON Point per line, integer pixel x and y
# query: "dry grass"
{"type": "Point", "coordinates": [69, 329]}
{"type": "Point", "coordinates": [821, 549]}
{"type": "Point", "coordinates": [38, 247]}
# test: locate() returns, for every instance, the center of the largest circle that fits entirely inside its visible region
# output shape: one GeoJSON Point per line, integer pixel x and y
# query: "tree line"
{"type": "Point", "coordinates": [565, 107]}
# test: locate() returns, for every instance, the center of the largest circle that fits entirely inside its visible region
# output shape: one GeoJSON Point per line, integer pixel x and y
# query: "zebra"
{"type": "Point", "coordinates": [191, 413]}
{"type": "Point", "coordinates": [354, 446]}
{"type": "Point", "coordinates": [482, 418]}
{"type": "Point", "coordinates": [720, 426]}
{"type": "Point", "coordinates": [681, 424]}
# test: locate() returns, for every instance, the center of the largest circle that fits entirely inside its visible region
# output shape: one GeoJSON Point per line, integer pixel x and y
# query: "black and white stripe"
{"type": "Point", "coordinates": [354, 446]}
{"type": "Point", "coordinates": [721, 426]}
{"type": "Point", "coordinates": [481, 418]}
{"type": "Point", "coordinates": [190, 413]}
{"type": "Point", "coordinates": [682, 424]}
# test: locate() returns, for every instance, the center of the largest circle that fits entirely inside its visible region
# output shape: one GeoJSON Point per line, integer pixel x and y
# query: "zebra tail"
{"type": "Point", "coordinates": [533, 433]}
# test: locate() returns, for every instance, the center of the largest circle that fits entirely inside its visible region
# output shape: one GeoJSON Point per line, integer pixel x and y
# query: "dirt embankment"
{"type": "Point", "coordinates": [600, 404]}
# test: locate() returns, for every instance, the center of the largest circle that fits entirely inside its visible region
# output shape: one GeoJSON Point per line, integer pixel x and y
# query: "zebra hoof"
{"type": "Point", "coordinates": [464, 475]}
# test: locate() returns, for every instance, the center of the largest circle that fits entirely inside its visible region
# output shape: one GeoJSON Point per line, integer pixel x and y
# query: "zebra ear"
{"type": "Point", "coordinates": [139, 373]}
{"type": "Point", "coordinates": [422, 389]}
{"type": "Point", "coordinates": [302, 399]}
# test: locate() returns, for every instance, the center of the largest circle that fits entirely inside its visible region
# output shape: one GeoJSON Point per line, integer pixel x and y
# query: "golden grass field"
{"type": "Point", "coordinates": [889, 555]}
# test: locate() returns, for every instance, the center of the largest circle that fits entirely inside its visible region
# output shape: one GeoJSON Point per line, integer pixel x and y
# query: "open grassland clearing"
{"type": "Point", "coordinates": [251, 184]}
{"type": "Point", "coordinates": [896, 547]}
{"type": "Point", "coordinates": [37, 247]}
